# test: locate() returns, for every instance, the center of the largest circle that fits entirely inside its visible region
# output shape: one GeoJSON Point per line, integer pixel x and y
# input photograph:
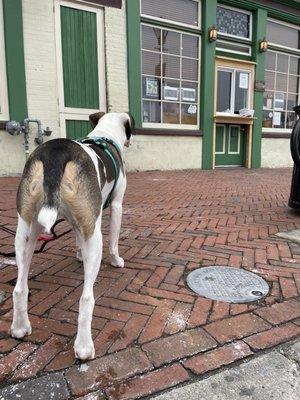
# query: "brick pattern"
{"type": "Point", "coordinates": [150, 331]}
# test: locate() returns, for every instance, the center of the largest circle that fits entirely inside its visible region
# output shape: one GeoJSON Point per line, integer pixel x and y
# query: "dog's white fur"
{"type": "Point", "coordinates": [111, 126]}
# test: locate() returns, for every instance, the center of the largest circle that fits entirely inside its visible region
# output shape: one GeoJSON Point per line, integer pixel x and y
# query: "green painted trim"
{"type": "Point", "coordinates": [234, 39]}
{"type": "Point", "coordinates": [207, 83]}
{"type": "Point", "coordinates": [280, 49]}
{"type": "Point", "coordinates": [259, 32]}
{"type": "Point", "coordinates": [15, 64]}
{"type": "Point", "coordinates": [134, 60]}
{"type": "Point", "coordinates": [171, 26]}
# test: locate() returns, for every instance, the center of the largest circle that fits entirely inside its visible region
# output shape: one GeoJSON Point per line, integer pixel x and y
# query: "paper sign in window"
{"type": "Point", "coordinates": [244, 81]}
{"type": "Point", "coordinates": [276, 118]}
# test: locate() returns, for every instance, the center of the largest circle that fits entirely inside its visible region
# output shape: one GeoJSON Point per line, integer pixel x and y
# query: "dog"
{"type": "Point", "coordinates": [72, 180]}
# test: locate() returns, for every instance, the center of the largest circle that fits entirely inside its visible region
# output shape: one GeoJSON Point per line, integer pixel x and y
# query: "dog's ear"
{"type": "Point", "coordinates": [94, 118]}
{"type": "Point", "coordinates": [129, 125]}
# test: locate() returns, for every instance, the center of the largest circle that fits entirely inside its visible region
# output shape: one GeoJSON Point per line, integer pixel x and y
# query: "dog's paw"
{"type": "Point", "coordinates": [79, 255]}
{"type": "Point", "coordinates": [84, 351]}
{"type": "Point", "coordinates": [19, 332]}
{"type": "Point", "coordinates": [117, 262]}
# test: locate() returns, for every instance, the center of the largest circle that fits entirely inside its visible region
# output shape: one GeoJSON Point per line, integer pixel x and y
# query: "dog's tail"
{"type": "Point", "coordinates": [54, 167]}
{"type": "Point", "coordinates": [47, 217]}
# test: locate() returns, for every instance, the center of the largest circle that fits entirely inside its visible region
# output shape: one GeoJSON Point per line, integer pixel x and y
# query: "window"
{"type": "Point", "coordinates": [284, 35]}
{"type": "Point", "coordinates": [183, 12]}
{"type": "Point", "coordinates": [230, 47]}
{"type": "Point", "coordinates": [232, 22]}
{"type": "Point", "coordinates": [4, 114]}
{"type": "Point", "coordinates": [233, 90]}
{"type": "Point", "coordinates": [282, 76]}
{"type": "Point", "coordinates": [170, 76]}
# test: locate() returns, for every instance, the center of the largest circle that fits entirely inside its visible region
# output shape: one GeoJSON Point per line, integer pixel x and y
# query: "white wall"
{"type": "Point", "coordinates": [163, 153]}
{"type": "Point", "coordinates": [275, 153]}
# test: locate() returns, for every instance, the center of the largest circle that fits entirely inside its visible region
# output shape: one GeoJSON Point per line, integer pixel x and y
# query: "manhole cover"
{"type": "Point", "coordinates": [227, 284]}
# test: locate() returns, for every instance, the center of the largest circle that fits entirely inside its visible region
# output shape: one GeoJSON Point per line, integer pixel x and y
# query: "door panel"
{"type": "Point", "coordinates": [232, 140]}
{"type": "Point", "coordinates": [79, 58]}
{"type": "Point", "coordinates": [76, 129]}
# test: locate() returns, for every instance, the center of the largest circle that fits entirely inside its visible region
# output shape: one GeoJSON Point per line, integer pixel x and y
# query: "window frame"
{"type": "Point", "coordinates": [4, 110]}
{"type": "Point", "coordinates": [228, 35]}
{"type": "Point", "coordinates": [234, 70]}
{"type": "Point", "coordinates": [279, 46]}
{"type": "Point", "coordinates": [276, 109]}
{"type": "Point", "coordinates": [168, 21]}
{"type": "Point", "coordinates": [234, 51]}
{"type": "Point", "coordinates": [155, 125]}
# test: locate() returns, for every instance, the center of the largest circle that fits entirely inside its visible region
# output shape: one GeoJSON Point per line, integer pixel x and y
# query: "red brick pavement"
{"type": "Point", "coordinates": [150, 331]}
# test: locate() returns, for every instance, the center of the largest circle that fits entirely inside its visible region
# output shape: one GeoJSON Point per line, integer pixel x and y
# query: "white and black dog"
{"type": "Point", "coordinates": [73, 180]}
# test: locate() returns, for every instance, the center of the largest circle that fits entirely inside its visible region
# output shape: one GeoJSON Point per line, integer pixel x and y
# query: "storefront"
{"type": "Point", "coordinates": [210, 84]}
{"type": "Point", "coordinates": [222, 76]}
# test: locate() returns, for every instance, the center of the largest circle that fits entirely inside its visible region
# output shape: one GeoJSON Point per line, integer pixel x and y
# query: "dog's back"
{"type": "Point", "coordinates": [60, 177]}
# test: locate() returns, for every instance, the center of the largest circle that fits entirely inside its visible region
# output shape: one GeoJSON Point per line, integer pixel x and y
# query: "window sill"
{"type": "Point", "coordinates": [276, 135]}
{"type": "Point", "coordinates": [167, 132]}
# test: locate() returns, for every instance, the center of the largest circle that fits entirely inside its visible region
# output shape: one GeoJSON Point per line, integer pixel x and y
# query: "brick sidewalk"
{"type": "Point", "coordinates": [150, 331]}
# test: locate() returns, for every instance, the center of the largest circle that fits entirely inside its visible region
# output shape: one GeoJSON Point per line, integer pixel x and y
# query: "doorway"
{"type": "Point", "coordinates": [230, 145]}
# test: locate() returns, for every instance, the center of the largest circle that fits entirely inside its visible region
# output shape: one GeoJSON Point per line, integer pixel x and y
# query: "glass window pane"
{"type": "Point", "coordinates": [283, 35]}
{"type": "Point", "coordinates": [151, 38]}
{"type": "Point", "coordinates": [189, 92]}
{"type": "Point", "coordinates": [268, 100]}
{"type": "Point", "coordinates": [267, 119]}
{"type": "Point", "coordinates": [171, 66]}
{"type": "Point", "coordinates": [295, 65]}
{"type": "Point", "coordinates": [270, 60]}
{"type": "Point", "coordinates": [224, 91]}
{"type": "Point", "coordinates": [281, 82]}
{"type": "Point", "coordinates": [293, 84]}
{"type": "Point", "coordinates": [190, 46]}
{"type": "Point", "coordinates": [241, 91]}
{"type": "Point", "coordinates": [270, 80]}
{"type": "Point", "coordinates": [233, 47]}
{"type": "Point", "coordinates": [151, 111]}
{"type": "Point", "coordinates": [282, 63]}
{"type": "Point", "coordinates": [171, 42]}
{"type": "Point", "coordinates": [189, 114]}
{"type": "Point", "coordinates": [151, 63]}
{"type": "Point", "coordinates": [151, 88]}
{"type": "Point", "coordinates": [171, 113]}
{"type": "Point", "coordinates": [292, 101]}
{"type": "Point", "coordinates": [279, 119]}
{"type": "Point", "coordinates": [189, 69]}
{"type": "Point", "coordinates": [290, 120]}
{"type": "Point", "coordinates": [171, 89]}
{"type": "Point", "coordinates": [279, 100]}
{"type": "Point", "coordinates": [181, 11]}
{"type": "Point", "coordinates": [233, 22]}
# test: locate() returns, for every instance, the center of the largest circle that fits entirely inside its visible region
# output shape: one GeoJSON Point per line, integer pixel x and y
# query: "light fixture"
{"type": "Point", "coordinates": [263, 45]}
{"type": "Point", "coordinates": [213, 34]}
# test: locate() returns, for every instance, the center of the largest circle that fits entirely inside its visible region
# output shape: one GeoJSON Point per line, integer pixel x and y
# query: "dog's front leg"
{"type": "Point", "coordinates": [91, 254]}
{"type": "Point", "coordinates": [25, 241]}
{"type": "Point", "coordinates": [115, 225]}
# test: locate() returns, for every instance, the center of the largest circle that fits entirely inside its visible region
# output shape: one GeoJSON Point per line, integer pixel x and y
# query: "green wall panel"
{"type": "Point", "coordinates": [80, 58]}
{"type": "Point", "coordinates": [76, 129]}
{"type": "Point", "coordinates": [207, 83]}
{"type": "Point", "coordinates": [15, 65]}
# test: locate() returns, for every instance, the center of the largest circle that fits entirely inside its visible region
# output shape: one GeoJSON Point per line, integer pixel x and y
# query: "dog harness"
{"type": "Point", "coordinates": [103, 144]}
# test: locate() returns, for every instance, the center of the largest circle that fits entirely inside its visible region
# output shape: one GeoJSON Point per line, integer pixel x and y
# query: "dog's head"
{"type": "Point", "coordinates": [124, 120]}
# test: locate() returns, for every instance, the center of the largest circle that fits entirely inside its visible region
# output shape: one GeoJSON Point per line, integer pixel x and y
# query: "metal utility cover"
{"type": "Point", "coordinates": [227, 284]}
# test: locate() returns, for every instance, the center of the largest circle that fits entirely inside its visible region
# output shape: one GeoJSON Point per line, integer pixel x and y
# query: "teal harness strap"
{"type": "Point", "coordinates": [103, 142]}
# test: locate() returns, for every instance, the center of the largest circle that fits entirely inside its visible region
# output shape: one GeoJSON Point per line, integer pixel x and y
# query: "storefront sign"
{"type": "Point", "coordinates": [259, 86]}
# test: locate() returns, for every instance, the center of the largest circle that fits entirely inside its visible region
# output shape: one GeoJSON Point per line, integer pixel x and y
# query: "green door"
{"type": "Point", "coordinates": [82, 66]}
{"type": "Point", "coordinates": [230, 146]}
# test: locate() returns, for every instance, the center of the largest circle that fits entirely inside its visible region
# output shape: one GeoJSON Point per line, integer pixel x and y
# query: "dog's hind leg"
{"type": "Point", "coordinates": [115, 226]}
{"type": "Point", "coordinates": [25, 241]}
{"type": "Point", "coordinates": [91, 255]}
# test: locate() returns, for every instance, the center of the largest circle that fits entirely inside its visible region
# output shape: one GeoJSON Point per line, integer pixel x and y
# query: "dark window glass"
{"type": "Point", "coordinates": [224, 91]}
{"type": "Point", "coordinates": [233, 22]}
{"type": "Point", "coordinates": [171, 42]}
